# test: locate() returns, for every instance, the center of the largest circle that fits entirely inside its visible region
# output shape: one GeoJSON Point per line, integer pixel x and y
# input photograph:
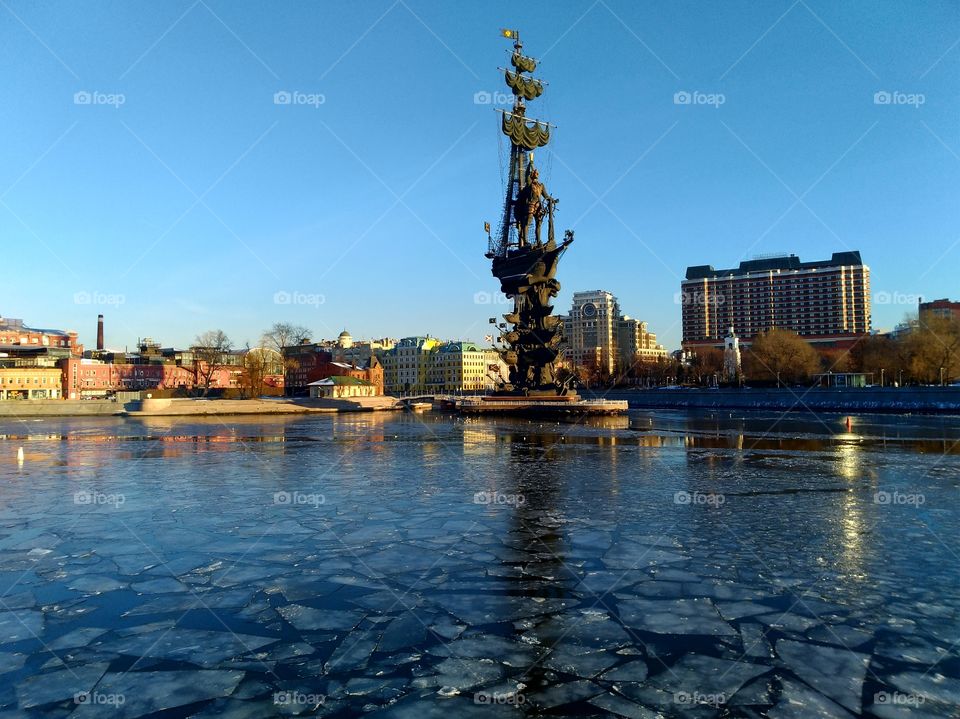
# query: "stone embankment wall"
{"type": "Point", "coordinates": [870, 399]}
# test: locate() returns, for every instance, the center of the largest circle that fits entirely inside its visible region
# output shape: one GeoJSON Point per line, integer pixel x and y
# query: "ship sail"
{"type": "Point", "coordinates": [528, 137]}
{"type": "Point", "coordinates": [526, 87]}
{"type": "Point", "coordinates": [523, 63]}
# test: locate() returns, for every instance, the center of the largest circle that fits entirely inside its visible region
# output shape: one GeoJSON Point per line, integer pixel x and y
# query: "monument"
{"type": "Point", "coordinates": [732, 368]}
{"type": "Point", "coordinates": [525, 262]}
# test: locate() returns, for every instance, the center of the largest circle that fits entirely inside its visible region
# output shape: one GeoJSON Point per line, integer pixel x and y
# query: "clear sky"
{"type": "Point", "coordinates": [176, 196]}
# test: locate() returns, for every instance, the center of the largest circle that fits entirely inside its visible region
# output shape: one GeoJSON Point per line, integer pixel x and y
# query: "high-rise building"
{"type": "Point", "coordinates": [597, 335]}
{"type": "Point", "coordinates": [635, 343]}
{"type": "Point", "coordinates": [826, 302]}
{"type": "Point", "coordinates": [591, 329]}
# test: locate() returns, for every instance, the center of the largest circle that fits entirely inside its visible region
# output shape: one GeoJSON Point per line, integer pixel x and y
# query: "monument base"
{"type": "Point", "coordinates": [568, 405]}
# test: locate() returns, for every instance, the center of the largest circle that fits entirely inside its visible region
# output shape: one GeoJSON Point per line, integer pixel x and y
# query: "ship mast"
{"type": "Point", "coordinates": [525, 136]}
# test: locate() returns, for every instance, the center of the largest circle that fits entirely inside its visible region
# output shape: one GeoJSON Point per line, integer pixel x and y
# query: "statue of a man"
{"type": "Point", "coordinates": [529, 206]}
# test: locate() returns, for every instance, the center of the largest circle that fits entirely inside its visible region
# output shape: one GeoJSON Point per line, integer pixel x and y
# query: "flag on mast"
{"type": "Point", "coordinates": [511, 34]}
{"type": "Point", "coordinates": [486, 227]}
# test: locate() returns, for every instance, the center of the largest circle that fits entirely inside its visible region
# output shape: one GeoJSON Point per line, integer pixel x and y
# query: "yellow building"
{"type": "Point", "coordinates": [30, 383]}
{"type": "Point", "coordinates": [341, 387]}
{"type": "Point", "coordinates": [464, 367]}
{"type": "Point", "coordinates": [407, 365]}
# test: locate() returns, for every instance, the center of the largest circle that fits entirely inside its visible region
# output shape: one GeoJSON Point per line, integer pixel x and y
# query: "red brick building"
{"type": "Point", "coordinates": [92, 378]}
{"type": "Point", "coordinates": [940, 308]}
{"type": "Point", "coordinates": [308, 363]}
{"type": "Point", "coordinates": [14, 334]}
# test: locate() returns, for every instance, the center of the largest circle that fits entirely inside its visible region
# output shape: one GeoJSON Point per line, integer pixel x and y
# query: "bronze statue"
{"type": "Point", "coordinates": [530, 205]}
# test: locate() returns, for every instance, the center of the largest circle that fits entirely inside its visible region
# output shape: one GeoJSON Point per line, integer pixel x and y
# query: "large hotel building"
{"type": "Point", "coordinates": [825, 302]}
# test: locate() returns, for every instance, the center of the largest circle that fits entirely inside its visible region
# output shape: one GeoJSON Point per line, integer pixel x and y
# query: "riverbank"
{"type": "Point", "coordinates": [938, 400]}
{"type": "Point", "coordinates": [191, 407]}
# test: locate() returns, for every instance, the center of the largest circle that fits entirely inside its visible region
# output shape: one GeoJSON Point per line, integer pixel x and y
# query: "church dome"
{"type": "Point", "coordinates": [345, 340]}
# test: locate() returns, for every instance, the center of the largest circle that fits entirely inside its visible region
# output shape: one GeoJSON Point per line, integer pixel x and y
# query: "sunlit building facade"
{"type": "Point", "coordinates": [826, 302]}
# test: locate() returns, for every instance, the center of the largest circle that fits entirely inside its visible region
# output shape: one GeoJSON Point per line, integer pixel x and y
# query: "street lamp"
{"type": "Point", "coordinates": [941, 376]}
{"type": "Point", "coordinates": [882, 370]}
{"type": "Point", "coordinates": [900, 383]}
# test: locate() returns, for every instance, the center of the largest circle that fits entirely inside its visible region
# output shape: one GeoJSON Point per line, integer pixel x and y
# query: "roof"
{"type": "Point", "coordinates": [786, 262]}
{"type": "Point", "coordinates": [459, 347]}
{"type": "Point", "coordinates": [340, 381]}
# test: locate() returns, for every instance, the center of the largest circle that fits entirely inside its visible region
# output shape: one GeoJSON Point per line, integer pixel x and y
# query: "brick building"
{"type": "Point", "coordinates": [93, 378]}
{"type": "Point", "coordinates": [15, 335]}
{"type": "Point", "coordinates": [309, 362]}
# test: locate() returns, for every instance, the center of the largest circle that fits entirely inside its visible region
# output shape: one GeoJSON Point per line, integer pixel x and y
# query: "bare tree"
{"type": "Point", "coordinates": [284, 334]}
{"type": "Point", "coordinates": [211, 351]}
{"type": "Point", "coordinates": [782, 356]}
{"type": "Point", "coordinates": [256, 367]}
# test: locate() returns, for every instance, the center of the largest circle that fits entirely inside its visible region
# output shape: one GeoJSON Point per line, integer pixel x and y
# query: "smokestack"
{"type": "Point", "coordinates": [99, 332]}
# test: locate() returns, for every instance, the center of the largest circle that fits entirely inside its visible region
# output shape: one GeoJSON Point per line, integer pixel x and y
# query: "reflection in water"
{"type": "Point", "coordinates": [535, 530]}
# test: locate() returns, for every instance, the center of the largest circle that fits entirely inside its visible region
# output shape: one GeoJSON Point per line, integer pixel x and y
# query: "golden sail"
{"type": "Point", "coordinates": [526, 87]}
{"type": "Point", "coordinates": [521, 134]}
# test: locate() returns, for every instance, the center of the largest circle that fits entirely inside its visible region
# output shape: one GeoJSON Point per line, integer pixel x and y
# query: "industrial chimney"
{"type": "Point", "coordinates": [99, 332]}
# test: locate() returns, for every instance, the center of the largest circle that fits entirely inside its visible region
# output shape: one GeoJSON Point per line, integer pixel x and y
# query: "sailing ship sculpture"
{"type": "Point", "coordinates": [525, 264]}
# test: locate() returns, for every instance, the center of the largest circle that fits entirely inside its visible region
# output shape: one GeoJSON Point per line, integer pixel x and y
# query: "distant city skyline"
{"type": "Point", "coordinates": [229, 166]}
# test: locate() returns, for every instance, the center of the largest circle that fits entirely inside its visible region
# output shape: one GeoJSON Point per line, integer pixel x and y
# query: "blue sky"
{"type": "Point", "coordinates": [181, 198]}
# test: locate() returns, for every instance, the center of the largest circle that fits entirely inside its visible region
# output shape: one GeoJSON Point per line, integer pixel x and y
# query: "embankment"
{"type": "Point", "coordinates": [944, 400]}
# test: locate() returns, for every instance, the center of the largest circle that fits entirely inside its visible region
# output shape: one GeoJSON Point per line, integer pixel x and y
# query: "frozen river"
{"type": "Point", "coordinates": [420, 566]}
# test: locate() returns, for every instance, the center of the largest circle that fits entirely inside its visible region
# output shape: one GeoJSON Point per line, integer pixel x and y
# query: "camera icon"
{"type": "Point", "coordinates": [882, 98]}
{"type": "Point", "coordinates": [482, 498]}
{"type": "Point", "coordinates": [282, 98]}
{"type": "Point", "coordinates": [482, 98]}
{"type": "Point", "coordinates": [282, 497]}
{"type": "Point", "coordinates": [81, 298]}
{"type": "Point", "coordinates": [681, 498]}
{"type": "Point", "coordinates": [81, 697]}
{"type": "Point", "coordinates": [82, 497]}
{"type": "Point", "coordinates": [482, 298]}
{"type": "Point", "coordinates": [881, 498]}
{"type": "Point", "coordinates": [281, 298]}
{"type": "Point", "coordinates": [682, 98]}
{"type": "Point", "coordinates": [82, 98]}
